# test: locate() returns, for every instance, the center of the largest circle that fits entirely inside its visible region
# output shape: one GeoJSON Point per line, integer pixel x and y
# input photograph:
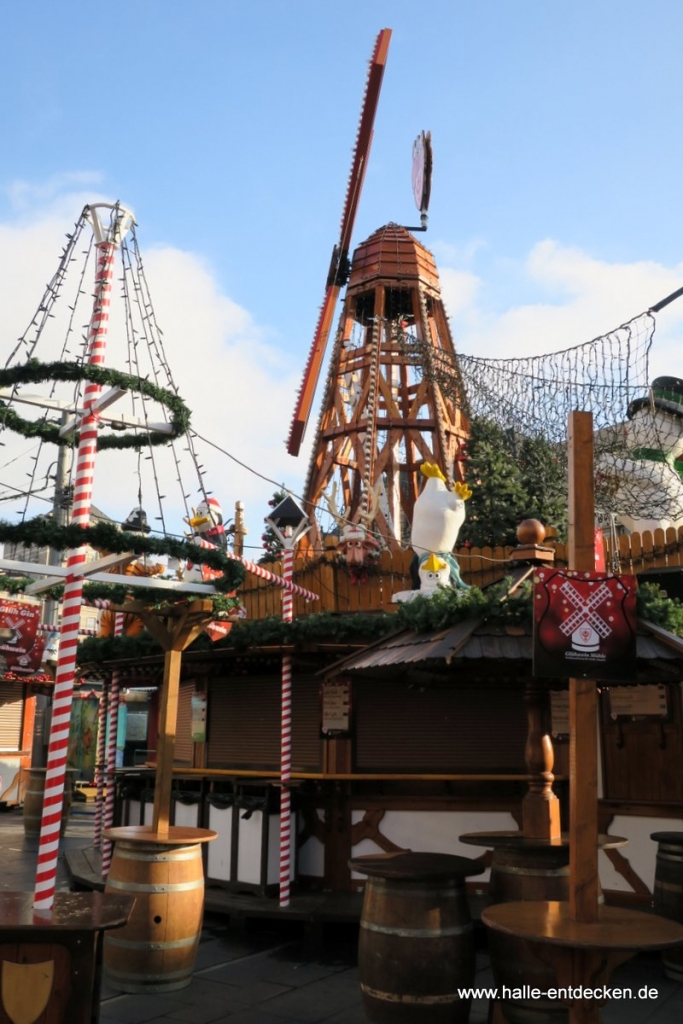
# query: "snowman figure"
{"type": "Point", "coordinates": [650, 478]}
{"type": "Point", "coordinates": [437, 517]}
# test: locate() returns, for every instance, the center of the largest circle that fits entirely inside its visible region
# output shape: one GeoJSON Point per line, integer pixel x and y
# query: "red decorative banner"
{"type": "Point", "coordinates": [584, 625]}
{"type": "Point", "coordinates": [21, 646]}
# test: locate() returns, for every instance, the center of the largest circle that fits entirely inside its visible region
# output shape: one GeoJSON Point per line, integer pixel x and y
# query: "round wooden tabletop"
{"type": "Point", "coordinates": [410, 866]}
{"type": "Point", "coordinates": [616, 927]}
{"type": "Point", "coordinates": [177, 835]}
{"type": "Point", "coordinates": [515, 840]}
{"type": "Point", "coordinates": [71, 912]}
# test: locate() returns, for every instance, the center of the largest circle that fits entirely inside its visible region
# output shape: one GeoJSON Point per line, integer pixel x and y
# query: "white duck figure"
{"type": "Point", "coordinates": [649, 479]}
{"type": "Point", "coordinates": [437, 517]}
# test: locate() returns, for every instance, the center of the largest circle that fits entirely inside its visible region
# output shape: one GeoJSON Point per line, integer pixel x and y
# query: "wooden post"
{"type": "Point", "coordinates": [174, 629]}
{"type": "Point", "coordinates": [583, 744]}
{"type": "Point", "coordinates": [167, 728]}
{"type": "Point", "coordinates": [540, 806]}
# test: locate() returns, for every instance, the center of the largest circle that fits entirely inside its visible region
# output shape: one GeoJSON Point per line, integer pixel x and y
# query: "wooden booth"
{"type": "Point", "coordinates": [428, 735]}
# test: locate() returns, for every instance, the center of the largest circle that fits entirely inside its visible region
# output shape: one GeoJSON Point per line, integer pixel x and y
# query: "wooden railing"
{"type": "Point", "coordinates": [331, 579]}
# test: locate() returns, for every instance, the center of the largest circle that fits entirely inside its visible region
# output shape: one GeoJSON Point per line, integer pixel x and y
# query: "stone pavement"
{"type": "Point", "coordinates": [264, 974]}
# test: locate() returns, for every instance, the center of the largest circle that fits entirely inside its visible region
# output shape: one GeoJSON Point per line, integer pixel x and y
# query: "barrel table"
{"type": "Point", "coordinates": [669, 893]}
{"type": "Point", "coordinates": [33, 800]}
{"type": "Point", "coordinates": [157, 950]}
{"type": "Point", "coordinates": [50, 964]}
{"type": "Point", "coordinates": [582, 954]}
{"type": "Point", "coordinates": [526, 868]}
{"type": "Point", "coordinates": [416, 946]}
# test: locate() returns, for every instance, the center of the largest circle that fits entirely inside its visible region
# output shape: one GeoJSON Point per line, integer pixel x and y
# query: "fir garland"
{"type": "Point", "coordinates": [45, 532]}
{"type": "Point", "coordinates": [35, 372]}
{"type": "Point", "coordinates": [420, 615]}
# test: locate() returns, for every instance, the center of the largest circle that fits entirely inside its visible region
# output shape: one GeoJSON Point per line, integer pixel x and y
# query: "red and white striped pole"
{"type": "Point", "coordinates": [48, 844]}
{"type": "Point", "coordinates": [286, 736]}
{"type": "Point", "coordinates": [100, 765]}
{"type": "Point", "coordinates": [114, 693]}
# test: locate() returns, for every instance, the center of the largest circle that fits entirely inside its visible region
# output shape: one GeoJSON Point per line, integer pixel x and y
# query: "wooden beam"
{"type": "Point", "coordinates": [583, 742]}
{"type": "Point", "coordinates": [168, 718]}
{"type": "Point", "coordinates": [174, 631]}
{"type": "Point", "coordinates": [106, 563]}
{"type": "Point", "coordinates": [60, 572]}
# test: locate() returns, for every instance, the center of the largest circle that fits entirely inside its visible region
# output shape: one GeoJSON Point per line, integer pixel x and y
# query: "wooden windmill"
{"type": "Point", "coordinates": [383, 413]}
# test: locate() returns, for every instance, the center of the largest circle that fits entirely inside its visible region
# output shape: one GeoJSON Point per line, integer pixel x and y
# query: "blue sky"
{"type": "Point", "coordinates": [228, 128]}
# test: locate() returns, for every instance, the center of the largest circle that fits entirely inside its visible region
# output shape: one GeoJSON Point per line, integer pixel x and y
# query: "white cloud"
{"type": "Point", "coordinates": [26, 196]}
{"type": "Point", "coordinates": [576, 298]}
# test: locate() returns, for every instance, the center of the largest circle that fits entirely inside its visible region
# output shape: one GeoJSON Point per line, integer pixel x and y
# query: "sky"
{"type": "Point", "coordinates": [228, 128]}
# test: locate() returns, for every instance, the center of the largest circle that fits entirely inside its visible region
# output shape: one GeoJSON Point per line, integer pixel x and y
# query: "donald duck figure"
{"type": "Point", "coordinates": [437, 517]}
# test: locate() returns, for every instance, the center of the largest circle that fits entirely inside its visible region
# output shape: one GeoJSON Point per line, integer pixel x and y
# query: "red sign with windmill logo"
{"type": "Point", "coordinates": [584, 625]}
{"type": "Point", "coordinates": [21, 645]}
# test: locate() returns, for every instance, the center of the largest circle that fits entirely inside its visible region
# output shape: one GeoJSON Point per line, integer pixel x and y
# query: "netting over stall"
{"type": "Point", "coordinates": [638, 422]}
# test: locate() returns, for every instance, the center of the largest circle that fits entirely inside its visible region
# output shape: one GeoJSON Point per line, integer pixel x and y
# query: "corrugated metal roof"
{"type": "Point", "coordinates": [473, 639]}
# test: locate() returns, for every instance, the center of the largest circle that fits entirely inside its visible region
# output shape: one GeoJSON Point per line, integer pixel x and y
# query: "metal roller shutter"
{"type": "Point", "coordinates": [437, 729]}
{"type": "Point", "coordinates": [244, 724]}
{"type": "Point", "coordinates": [184, 747]}
{"type": "Point", "coordinates": [11, 713]}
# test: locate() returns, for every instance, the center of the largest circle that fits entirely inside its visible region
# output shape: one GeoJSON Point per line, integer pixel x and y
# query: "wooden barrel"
{"type": "Point", "coordinates": [33, 800]}
{"type": "Point", "coordinates": [526, 874]}
{"type": "Point", "coordinates": [669, 893]}
{"type": "Point", "coordinates": [157, 949]}
{"type": "Point", "coordinates": [416, 947]}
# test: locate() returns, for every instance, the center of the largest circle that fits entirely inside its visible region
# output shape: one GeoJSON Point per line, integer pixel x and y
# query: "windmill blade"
{"type": "Point", "coordinates": [339, 266]}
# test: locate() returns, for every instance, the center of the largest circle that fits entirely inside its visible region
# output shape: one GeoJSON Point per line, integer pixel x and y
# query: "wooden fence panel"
{"type": "Point", "coordinates": [480, 567]}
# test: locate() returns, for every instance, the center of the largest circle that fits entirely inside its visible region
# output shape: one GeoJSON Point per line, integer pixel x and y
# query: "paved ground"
{"type": "Point", "coordinates": [264, 974]}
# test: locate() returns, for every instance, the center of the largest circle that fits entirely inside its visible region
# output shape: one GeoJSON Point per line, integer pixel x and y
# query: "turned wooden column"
{"type": "Point", "coordinates": [540, 807]}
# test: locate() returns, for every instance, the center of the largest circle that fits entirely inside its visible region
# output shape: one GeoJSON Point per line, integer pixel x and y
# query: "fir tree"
{"type": "Point", "coordinates": [498, 495]}
{"type": "Point", "coordinates": [543, 469]}
{"type": "Point", "coordinates": [512, 478]}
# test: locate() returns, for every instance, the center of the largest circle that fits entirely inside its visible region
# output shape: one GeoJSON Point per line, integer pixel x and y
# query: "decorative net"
{"type": "Point", "coordinates": [638, 424]}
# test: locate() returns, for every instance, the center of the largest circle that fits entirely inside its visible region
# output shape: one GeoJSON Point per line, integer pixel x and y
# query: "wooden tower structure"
{"type": "Point", "coordinates": [383, 411]}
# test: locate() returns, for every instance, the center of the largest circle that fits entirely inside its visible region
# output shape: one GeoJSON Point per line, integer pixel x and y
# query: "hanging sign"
{"type": "Point", "coordinates": [21, 645]}
{"type": "Point", "coordinates": [638, 702]}
{"type": "Point", "coordinates": [584, 625]}
{"type": "Point", "coordinates": [336, 707]}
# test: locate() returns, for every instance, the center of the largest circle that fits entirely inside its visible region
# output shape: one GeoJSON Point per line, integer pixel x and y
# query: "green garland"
{"type": "Point", "coordinates": [35, 372]}
{"type": "Point", "coordinates": [421, 615]}
{"type": "Point", "coordinates": [45, 532]}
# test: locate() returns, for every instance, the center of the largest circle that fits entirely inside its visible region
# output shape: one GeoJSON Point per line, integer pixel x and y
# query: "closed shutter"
{"type": "Point", "coordinates": [244, 724]}
{"type": "Point", "coordinates": [437, 729]}
{"type": "Point", "coordinates": [11, 708]}
{"type": "Point", "coordinates": [184, 748]}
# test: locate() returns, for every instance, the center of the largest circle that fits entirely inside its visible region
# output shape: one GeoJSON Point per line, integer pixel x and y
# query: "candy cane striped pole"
{"type": "Point", "coordinates": [264, 574]}
{"type": "Point", "coordinates": [114, 694]}
{"type": "Point", "coordinates": [286, 740]}
{"type": "Point", "coordinates": [48, 844]}
{"type": "Point", "coordinates": [100, 768]}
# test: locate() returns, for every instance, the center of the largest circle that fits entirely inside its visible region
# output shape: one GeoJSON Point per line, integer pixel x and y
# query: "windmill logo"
{"type": "Point", "coordinates": [584, 625]}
